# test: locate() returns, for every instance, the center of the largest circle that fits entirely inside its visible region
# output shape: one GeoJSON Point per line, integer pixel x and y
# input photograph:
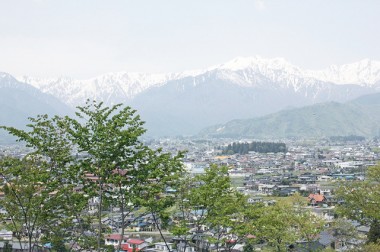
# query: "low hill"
{"type": "Point", "coordinates": [358, 117]}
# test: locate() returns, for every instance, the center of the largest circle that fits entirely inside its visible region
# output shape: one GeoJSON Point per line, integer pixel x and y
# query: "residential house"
{"type": "Point", "coordinates": [134, 245]}
{"type": "Point", "coordinates": [161, 247]}
{"type": "Point", "coordinates": [253, 200]}
{"type": "Point", "coordinates": [113, 239]}
{"type": "Point", "coordinates": [316, 199]}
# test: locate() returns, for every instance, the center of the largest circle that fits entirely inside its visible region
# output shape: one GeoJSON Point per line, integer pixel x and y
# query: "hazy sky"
{"type": "Point", "coordinates": [85, 38]}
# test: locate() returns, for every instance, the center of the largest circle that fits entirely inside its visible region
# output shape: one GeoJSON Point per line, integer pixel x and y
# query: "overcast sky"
{"type": "Point", "coordinates": [85, 38]}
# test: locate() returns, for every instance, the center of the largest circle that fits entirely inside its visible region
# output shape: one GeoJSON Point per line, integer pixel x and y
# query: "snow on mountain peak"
{"type": "Point", "coordinates": [257, 62]}
{"type": "Point", "coordinates": [110, 87]}
{"type": "Point", "coordinates": [365, 72]}
{"type": "Point", "coordinates": [256, 71]}
{"type": "Point", "coordinates": [245, 71]}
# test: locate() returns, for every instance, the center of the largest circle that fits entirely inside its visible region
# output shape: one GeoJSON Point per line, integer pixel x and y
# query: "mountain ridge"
{"type": "Point", "coordinates": [246, 71]}
{"type": "Point", "coordinates": [184, 103]}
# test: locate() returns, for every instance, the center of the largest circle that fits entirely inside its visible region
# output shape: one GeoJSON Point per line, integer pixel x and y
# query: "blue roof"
{"type": "Point", "coordinates": [48, 245]}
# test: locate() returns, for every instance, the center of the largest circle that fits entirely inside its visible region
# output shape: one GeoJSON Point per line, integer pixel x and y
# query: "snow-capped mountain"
{"type": "Point", "coordinates": [110, 88]}
{"type": "Point", "coordinates": [183, 103]}
{"type": "Point", "coordinates": [256, 71]}
{"type": "Point", "coordinates": [365, 73]}
{"type": "Point", "coordinates": [246, 71]}
{"type": "Point", "coordinates": [253, 72]}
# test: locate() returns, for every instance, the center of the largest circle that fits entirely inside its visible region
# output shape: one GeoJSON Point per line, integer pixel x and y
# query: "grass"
{"type": "Point", "coordinates": [237, 181]}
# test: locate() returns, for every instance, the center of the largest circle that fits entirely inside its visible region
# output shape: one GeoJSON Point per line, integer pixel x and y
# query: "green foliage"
{"type": "Point", "coordinates": [328, 250]}
{"type": "Point", "coordinates": [49, 190]}
{"type": "Point", "coordinates": [158, 173]}
{"type": "Point", "coordinates": [276, 226]}
{"type": "Point", "coordinates": [369, 247]}
{"type": "Point", "coordinates": [338, 120]}
{"type": "Point", "coordinates": [374, 232]}
{"type": "Point", "coordinates": [308, 224]}
{"type": "Point", "coordinates": [27, 197]}
{"type": "Point", "coordinates": [261, 147]}
{"type": "Point", "coordinates": [361, 198]}
{"type": "Point", "coordinates": [362, 201]}
{"type": "Point", "coordinates": [286, 222]}
{"type": "Point", "coordinates": [108, 137]}
{"type": "Point", "coordinates": [52, 147]}
{"type": "Point", "coordinates": [343, 230]}
{"type": "Point", "coordinates": [208, 200]}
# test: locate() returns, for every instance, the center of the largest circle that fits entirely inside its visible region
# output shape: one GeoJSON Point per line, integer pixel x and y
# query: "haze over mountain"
{"type": "Point", "coordinates": [18, 101]}
{"type": "Point", "coordinates": [184, 103]}
{"type": "Point", "coordinates": [248, 72]}
{"type": "Point", "coordinates": [360, 117]}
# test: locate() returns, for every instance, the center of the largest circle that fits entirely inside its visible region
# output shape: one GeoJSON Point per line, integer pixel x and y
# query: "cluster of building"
{"type": "Point", "coordinates": [307, 168]}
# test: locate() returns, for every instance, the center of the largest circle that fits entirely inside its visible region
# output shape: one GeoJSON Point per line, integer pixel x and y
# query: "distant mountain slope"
{"type": "Point", "coordinates": [186, 106]}
{"type": "Point", "coordinates": [357, 117]}
{"type": "Point", "coordinates": [18, 101]}
{"type": "Point", "coordinates": [184, 103]}
{"type": "Point", "coordinates": [111, 88]}
{"type": "Point", "coordinates": [368, 101]}
{"type": "Point", "coordinates": [254, 72]}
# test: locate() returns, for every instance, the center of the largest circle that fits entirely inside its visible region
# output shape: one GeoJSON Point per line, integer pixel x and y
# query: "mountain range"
{"type": "Point", "coordinates": [185, 103]}
{"type": "Point", "coordinates": [247, 72]}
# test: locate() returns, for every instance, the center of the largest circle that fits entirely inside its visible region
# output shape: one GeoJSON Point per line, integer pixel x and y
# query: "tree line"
{"type": "Point", "coordinates": [350, 138]}
{"type": "Point", "coordinates": [261, 147]}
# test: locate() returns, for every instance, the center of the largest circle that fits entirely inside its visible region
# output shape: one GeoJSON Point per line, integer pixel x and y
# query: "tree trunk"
{"type": "Point", "coordinates": [159, 229]}
{"type": "Point", "coordinates": [30, 242]}
{"type": "Point", "coordinates": [100, 216]}
{"type": "Point", "coordinates": [122, 221]}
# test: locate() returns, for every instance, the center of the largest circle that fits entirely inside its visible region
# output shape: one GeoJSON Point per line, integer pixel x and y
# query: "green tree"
{"type": "Point", "coordinates": [108, 137]}
{"type": "Point", "coordinates": [208, 201]}
{"type": "Point", "coordinates": [209, 189]}
{"type": "Point", "coordinates": [97, 154]}
{"type": "Point", "coordinates": [28, 194]}
{"type": "Point", "coordinates": [182, 214]}
{"type": "Point", "coordinates": [368, 247]}
{"type": "Point", "coordinates": [308, 224]}
{"type": "Point", "coordinates": [122, 197]}
{"type": "Point", "coordinates": [154, 176]}
{"type": "Point", "coordinates": [343, 231]}
{"type": "Point", "coordinates": [287, 222]}
{"type": "Point", "coordinates": [362, 200]}
{"type": "Point", "coordinates": [276, 226]}
{"type": "Point", "coordinates": [50, 142]}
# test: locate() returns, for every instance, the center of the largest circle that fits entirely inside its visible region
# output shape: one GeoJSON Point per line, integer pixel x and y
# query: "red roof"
{"type": "Point", "coordinates": [125, 247]}
{"type": "Point", "coordinates": [135, 241]}
{"type": "Point", "coordinates": [129, 245]}
{"type": "Point", "coordinates": [316, 197]}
